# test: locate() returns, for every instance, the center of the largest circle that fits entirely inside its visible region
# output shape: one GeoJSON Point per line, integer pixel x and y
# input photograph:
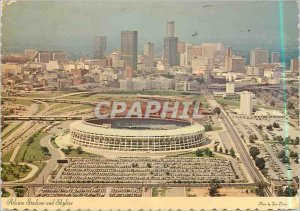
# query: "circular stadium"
{"type": "Point", "coordinates": [136, 134]}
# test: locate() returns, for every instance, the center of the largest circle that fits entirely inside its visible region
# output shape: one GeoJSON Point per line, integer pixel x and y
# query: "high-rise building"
{"type": "Point", "coordinates": [149, 54]}
{"type": "Point", "coordinates": [99, 47]}
{"type": "Point", "coordinates": [275, 57]}
{"type": "Point", "coordinates": [259, 56]}
{"type": "Point", "coordinates": [237, 64]}
{"type": "Point", "coordinates": [59, 56]}
{"type": "Point", "coordinates": [170, 29]}
{"type": "Point", "coordinates": [294, 65]}
{"type": "Point", "coordinates": [44, 56]}
{"type": "Point", "coordinates": [129, 48]}
{"type": "Point", "coordinates": [171, 55]}
{"type": "Point", "coordinates": [181, 47]}
{"type": "Point", "coordinates": [228, 58]}
{"type": "Point", "coordinates": [170, 50]}
{"type": "Point", "coordinates": [246, 103]}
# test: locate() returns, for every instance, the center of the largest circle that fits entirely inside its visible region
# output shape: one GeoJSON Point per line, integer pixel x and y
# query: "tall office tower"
{"type": "Point", "coordinates": [170, 29]}
{"type": "Point", "coordinates": [237, 64]}
{"type": "Point", "coordinates": [99, 47]}
{"type": "Point", "coordinates": [170, 50]}
{"type": "Point", "coordinates": [275, 57]}
{"type": "Point", "coordinates": [44, 56]}
{"type": "Point", "coordinates": [228, 58]}
{"type": "Point", "coordinates": [59, 56]}
{"type": "Point", "coordinates": [246, 103]}
{"type": "Point", "coordinates": [259, 56]}
{"type": "Point", "coordinates": [294, 65]}
{"type": "Point", "coordinates": [170, 46]}
{"type": "Point", "coordinates": [149, 54]}
{"type": "Point", "coordinates": [129, 48]}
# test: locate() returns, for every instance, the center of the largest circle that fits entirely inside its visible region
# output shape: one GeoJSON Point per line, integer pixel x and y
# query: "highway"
{"type": "Point", "coordinates": [242, 150]}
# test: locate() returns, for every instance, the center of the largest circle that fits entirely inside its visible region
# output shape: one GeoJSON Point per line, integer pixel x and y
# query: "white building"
{"type": "Point", "coordinates": [246, 103]}
{"type": "Point", "coordinates": [230, 87]}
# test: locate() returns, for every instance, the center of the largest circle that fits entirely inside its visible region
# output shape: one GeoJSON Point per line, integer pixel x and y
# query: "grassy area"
{"type": "Point", "coordinates": [148, 92]}
{"type": "Point", "coordinates": [40, 108]}
{"type": "Point", "coordinates": [75, 108]}
{"type": "Point", "coordinates": [60, 105]}
{"type": "Point", "coordinates": [216, 128]}
{"type": "Point", "coordinates": [76, 153]}
{"type": "Point", "coordinates": [23, 102]}
{"type": "Point", "coordinates": [13, 172]}
{"type": "Point", "coordinates": [7, 156]}
{"type": "Point", "coordinates": [47, 94]}
{"type": "Point", "coordinates": [227, 102]}
{"type": "Point", "coordinates": [11, 131]}
{"type": "Point", "coordinates": [40, 166]}
{"type": "Point", "coordinates": [31, 149]}
{"type": "Point", "coordinates": [193, 154]}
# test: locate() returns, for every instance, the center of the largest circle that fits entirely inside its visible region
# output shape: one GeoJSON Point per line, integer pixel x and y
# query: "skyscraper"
{"type": "Point", "coordinates": [149, 54]}
{"type": "Point", "coordinates": [294, 65]}
{"type": "Point", "coordinates": [246, 103]}
{"type": "Point", "coordinates": [228, 60]}
{"type": "Point", "coordinates": [170, 29]}
{"type": "Point", "coordinates": [99, 47]}
{"type": "Point", "coordinates": [170, 45]}
{"type": "Point", "coordinates": [275, 57]}
{"type": "Point", "coordinates": [129, 48]}
{"type": "Point", "coordinates": [259, 56]}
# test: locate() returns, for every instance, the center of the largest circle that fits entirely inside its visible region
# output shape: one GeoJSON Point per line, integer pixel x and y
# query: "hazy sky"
{"type": "Point", "coordinates": [71, 25]}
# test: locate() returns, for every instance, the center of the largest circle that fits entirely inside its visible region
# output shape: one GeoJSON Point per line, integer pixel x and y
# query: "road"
{"type": "Point", "coordinates": [242, 150]}
{"type": "Point", "coordinates": [52, 162]}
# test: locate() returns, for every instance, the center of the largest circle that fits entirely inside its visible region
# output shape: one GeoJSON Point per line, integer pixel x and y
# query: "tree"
{"type": "Point", "coordinates": [260, 163]}
{"type": "Point", "coordinates": [214, 187]}
{"type": "Point", "coordinates": [283, 157]}
{"type": "Point", "coordinates": [217, 110]}
{"type": "Point", "coordinates": [296, 142]}
{"type": "Point", "coordinates": [259, 190]}
{"type": "Point", "coordinates": [199, 153]}
{"type": "Point", "coordinates": [276, 125]}
{"type": "Point", "coordinates": [221, 150]}
{"type": "Point", "coordinates": [278, 138]}
{"type": "Point", "coordinates": [289, 191]}
{"type": "Point", "coordinates": [259, 127]}
{"type": "Point", "coordinates": [272, 103]}
{"type": "Point", "coordinates": [79, 150]}
{"type": "Point", "coordinates": [290, 105]}
{"type": "Point", "coordinates": [216, 148]}
{"type": "Point", "coordinates": [226, 151]}
{"type": "Point", "coordinates": [293, 154]}
{"type": "Point", "coordinates": [254, 151]}
{"type": "Point", "coordinates": [269, 127]}
{"type": "Point", "coordinates": [208, 127]}
{"type": "Point", "coordinates": [232, 153]}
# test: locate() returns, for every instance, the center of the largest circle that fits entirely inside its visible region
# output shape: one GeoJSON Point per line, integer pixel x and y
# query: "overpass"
{"type": "Point", "coordinates": [65, 101]}
{"type": "Point", "coordinates": [42, 118]}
